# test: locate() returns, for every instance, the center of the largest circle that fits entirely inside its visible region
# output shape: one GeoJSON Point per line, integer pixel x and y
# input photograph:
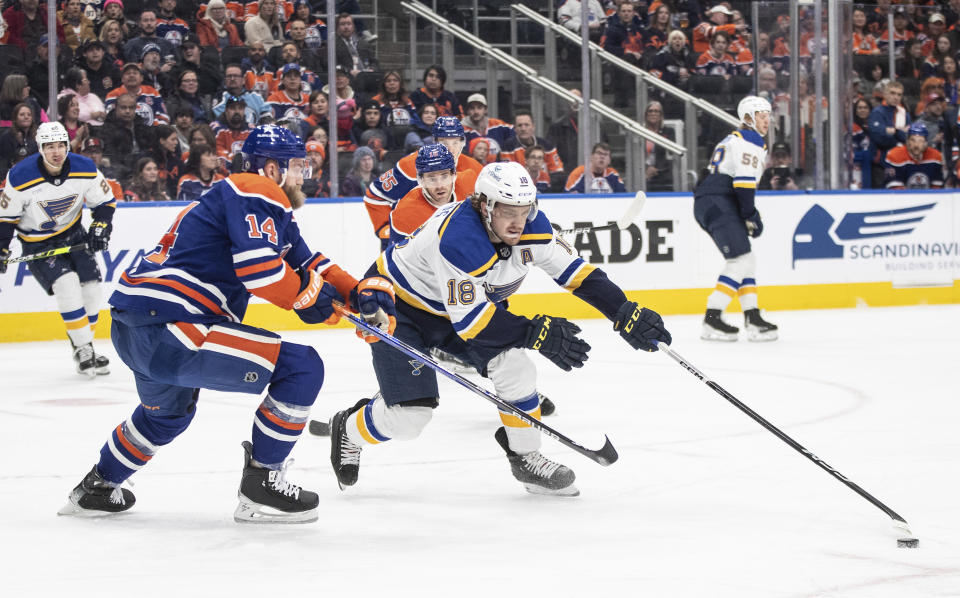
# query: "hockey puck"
{"type": "Point", "coordinates": [319, 428]}
{"type": "Point", "coordinates": [908, 543]}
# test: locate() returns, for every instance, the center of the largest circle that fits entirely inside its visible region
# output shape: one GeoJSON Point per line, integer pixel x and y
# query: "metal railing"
{"type": "Point", "coordinates": [642, 78]}
{"type": "Point", "coordinates": [538, 83]}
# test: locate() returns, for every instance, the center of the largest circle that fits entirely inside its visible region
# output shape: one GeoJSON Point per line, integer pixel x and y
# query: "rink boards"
{"type": "Point", "coordinates": [818, 250]}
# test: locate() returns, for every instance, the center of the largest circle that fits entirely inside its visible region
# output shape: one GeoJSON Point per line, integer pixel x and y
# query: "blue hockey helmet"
{"type": "Point", "coordinates": [447, 126]}
{"type": "Point", "coordinates": [434, 157]}
{"type": "Point", "coordinates": [271, 142]}
{"type": "Point", "coordinates": [918, 128]}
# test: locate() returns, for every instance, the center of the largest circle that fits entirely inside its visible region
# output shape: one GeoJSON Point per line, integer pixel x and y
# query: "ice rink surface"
{"type": "Point", "coordinates": [703, 501]}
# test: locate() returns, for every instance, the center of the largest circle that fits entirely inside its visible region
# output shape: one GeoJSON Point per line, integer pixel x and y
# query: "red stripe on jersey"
{"type": "Point", "coordinates": [248, 270]}
{"type": "Point", "coordinates": [129, 445]}
{"type": "Point", "coordinates": [282, 423]}
{"type": "Point", "coordinates": [177, 286]}
{"type": "Point", "coordinates": [268, 351]}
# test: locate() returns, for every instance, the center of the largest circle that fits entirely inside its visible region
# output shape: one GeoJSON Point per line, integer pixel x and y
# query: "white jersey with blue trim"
{"type": "Point", "coordinates": [742, 156]}
{"type": "Point", "coordinates": [43, 206]}
{"type": "Point", "coordinates": [450, 268]}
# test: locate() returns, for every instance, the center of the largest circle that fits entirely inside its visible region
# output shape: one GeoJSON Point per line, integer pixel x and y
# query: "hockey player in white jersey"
{"type": "Point", "coordinates": [451, 278]}
{"type": "Point", "coordinates": [42, 202]}
{"type": "Point", "coordinates": [724, 207]}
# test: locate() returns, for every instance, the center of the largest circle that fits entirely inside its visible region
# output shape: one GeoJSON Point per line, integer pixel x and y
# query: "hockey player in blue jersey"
{"type": "Point", "coordinates": [43, 202]}
{"type": "Point", "coordinates": [724, 207]}
{"type": "Point", "coordinates": [177, 324]}
{"type": "Point", "coordinates": [452, 278]}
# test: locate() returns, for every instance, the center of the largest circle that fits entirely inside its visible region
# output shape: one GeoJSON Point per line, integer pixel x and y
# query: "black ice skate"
{"type": "Point", "coordinates": [715, 329]}
{"type": "Point", "coordinates": [538, 474]}
{"type": "Point", "coordinates": [267, 497]}
{"type": "Point", "coordinates": [86, 360]}
{"type": "Point", "coordinates": [95, 497]}
{"type": "Point", "coordinates": [345, 453]}
{"type": "Point", "coordinates": [546, 406]}
{"type": "Point", "coordinates": [757, 328]}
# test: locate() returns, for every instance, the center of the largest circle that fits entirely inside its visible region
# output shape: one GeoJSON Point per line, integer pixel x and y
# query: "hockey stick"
{"type": "Point", "coordinates": [48, 253]}
{"type": "Point", "coordinates": [898, 521]}
{"type": "Point", "coordinates": [604, 456]}
{"type": "Point", "coordinates": [633, 210]}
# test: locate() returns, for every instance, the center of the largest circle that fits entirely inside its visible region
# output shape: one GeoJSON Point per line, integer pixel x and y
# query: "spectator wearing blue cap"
{"type": "Point", "coordinates": [133, 49]}
{"type": "Point", "coordinates": [914, 165]}
{"type": "Point", "coordinates": [290, 102]}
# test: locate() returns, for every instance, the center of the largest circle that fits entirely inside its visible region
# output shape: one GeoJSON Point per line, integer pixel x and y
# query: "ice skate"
{"type": "Point", "coordinates": [758, 329]}
{"type": "Point", "coordinates": [345, 453]}
{"type": "Point", "coordinates": [715, 329]}
{"type": "Point", "coordinates": [546, 406]}
{"type": "Point", "coordinates": [86, 360]}
{"type": "Point", "coordinates": [267, 497]}
{"type": "Point", "coordinates": [96, 497]}
{"type": "Point", "coordinates": [538, 474]}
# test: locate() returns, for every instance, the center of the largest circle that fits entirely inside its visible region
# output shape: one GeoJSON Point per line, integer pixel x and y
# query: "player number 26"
{"type": "Point", "coordinates": [462, 292]}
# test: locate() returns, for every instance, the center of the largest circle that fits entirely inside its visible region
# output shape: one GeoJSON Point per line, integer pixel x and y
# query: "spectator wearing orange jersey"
{"type": "Point", "coordinates": [717, 18]}
{"type": "Point", "coordinates": [536, 169]}
{"type": "Point", "coordinates": [605, 179]}
{"type": "Point", "coordinates": [524, 140]}
{"type": "Point", "coordinates": [289, 102]}
{"type": "Point", "coordinates": [258, 74]}
{"type": "Point", "coordinates": [863, 41]}
{"type": "Point", "coordinates": [235, 129]}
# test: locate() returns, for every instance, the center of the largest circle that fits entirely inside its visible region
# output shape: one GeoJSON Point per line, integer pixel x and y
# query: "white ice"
{"type": "Point", "coordinates": [703, 501]}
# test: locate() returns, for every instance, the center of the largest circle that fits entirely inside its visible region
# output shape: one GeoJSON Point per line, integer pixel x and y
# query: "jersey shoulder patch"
{"type": "Point", "coordinates": [751, 136]}
{"type": "Point", "coordinates": [260, 187]}
{"type": "Point", "coordinates": [81, 166]}
{"type": "Point", "coordinates": [464, 241]}
{"type": "Point", "coordinates": [537, 232]}
{"type": "Point", "coordinates": [26, 173]}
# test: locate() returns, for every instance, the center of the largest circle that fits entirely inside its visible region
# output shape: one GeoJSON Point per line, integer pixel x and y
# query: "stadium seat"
{"type": "Point", "coordinates": [233, 54]}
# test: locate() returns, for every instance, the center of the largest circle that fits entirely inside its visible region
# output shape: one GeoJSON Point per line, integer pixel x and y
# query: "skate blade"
{"type": "Point", "coordinates": [714, 335]}
{"type": "Point", "coordinates": [570, 491]}
{"type": "Point", "coordinates": [90, 374]}
{"type": "Point", "coordinates": [103, 371]}
{"type": "Point", "coordinates": [761, 337]}
{"type": "Point", "coordinates": [250, 512]}
{"type": "Point", "coordinates": [72, 510]}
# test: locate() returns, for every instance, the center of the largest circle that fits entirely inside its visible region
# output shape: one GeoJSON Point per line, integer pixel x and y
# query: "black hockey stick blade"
{"type": "Point", "coordinates": [606, 455]}
{"type": "Point", "coordinates": [319, 428]}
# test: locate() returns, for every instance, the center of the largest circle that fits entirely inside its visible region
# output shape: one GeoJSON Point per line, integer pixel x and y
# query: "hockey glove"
{"type": "Point", "coordinates": [98, 237]}
{"type": "Point", "coordinates": [374, 299]}
{"type": "Point", "coordinates": [754, 224]}
{"type": "Point", "coordinates": [556, 339]}
{"type": "Point", "coordinates": [314, 304]}
{"type": "Point", "coordinates": [641, 327]}
{"type": "Point", "coordinates": [4, 256]}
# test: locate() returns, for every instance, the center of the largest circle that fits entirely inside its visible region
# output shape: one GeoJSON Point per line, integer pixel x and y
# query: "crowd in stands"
{"type": "Point", "coordinates": [162, 93]}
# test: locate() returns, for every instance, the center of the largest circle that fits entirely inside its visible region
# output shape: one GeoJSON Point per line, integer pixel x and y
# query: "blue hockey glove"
{"type": "Point", "coordinates": [374, 299]}
{"type": "Point", "coordinates": [4, 256]}
{"type": "Point", "coordinates": [556, 339]}
{"type": "Point", "coordinates": [754, 224]}
{"type": "Point", "coordinates": [314, 304]}
{"type": "Point", "coordinates": [641, 327]}
{"type": "Point", "coordinates": [98, 237]}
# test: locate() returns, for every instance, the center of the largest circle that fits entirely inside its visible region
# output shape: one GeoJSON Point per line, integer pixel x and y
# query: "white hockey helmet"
{"type": "Point", "coordinates": [51, 132]}
{"type": "Point", "coordinates": [508, 183]}
{"type": "Point", "coordinates": [751, 105]}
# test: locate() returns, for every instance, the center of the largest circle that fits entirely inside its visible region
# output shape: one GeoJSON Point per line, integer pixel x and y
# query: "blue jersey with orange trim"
{"type": "Point", "coordinates": [238, 239]}
{"type": "Point", "coordinates": [735, 167]}
{"type": "Point", "coordinates": [901, 170]}
{"type": "Point", "coordinates": [451, 268]}
{"type": "Point", "coordinates": [42, 206]}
